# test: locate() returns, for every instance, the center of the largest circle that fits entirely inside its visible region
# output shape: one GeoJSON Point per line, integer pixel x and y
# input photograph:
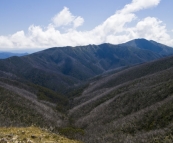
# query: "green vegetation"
{"type": "Point", "coordinates": [77, 91]}
{"type": "Point", "coordinates": [71, 132]}
{"type": "Point", "coordinates": [16, 111]}
{"type": "Point", "coordinates": [31, 135]}
{"type": "Point", "coordinates": [49, 95]}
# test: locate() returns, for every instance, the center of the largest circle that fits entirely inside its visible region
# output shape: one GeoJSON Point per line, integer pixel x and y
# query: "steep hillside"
{"type": "Point", "coordinates": [133, 105]}
{"type": "Point", "coordinates": [24, 104]}
{"type": "Point", "coordinates": [63, 68]}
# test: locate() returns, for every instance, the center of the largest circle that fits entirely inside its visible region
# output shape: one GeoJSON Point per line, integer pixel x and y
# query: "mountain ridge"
{"type": "Point", "coordinates": [65, 67]}
{"type": "Point", "coordinates": [150, 45]}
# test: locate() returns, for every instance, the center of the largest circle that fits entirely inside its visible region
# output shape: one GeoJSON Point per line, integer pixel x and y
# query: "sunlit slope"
{"type": "Point", "coordinates": [31, 135]}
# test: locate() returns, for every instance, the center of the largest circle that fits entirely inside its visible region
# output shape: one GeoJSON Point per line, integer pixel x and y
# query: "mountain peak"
{"type": "Point", "coordinates": [150, 45]}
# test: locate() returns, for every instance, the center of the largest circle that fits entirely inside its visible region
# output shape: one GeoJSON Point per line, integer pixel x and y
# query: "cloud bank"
{"type": "Point", "coordinates": [62, 31]}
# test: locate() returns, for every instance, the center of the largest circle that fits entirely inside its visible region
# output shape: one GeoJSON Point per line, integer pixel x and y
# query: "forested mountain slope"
{"type": "Point", "coordinates": [23, 104]}
{"type": "Point", "coordinates": [63, 68]}
{"type": "Point", "coordinates": [131, 105]}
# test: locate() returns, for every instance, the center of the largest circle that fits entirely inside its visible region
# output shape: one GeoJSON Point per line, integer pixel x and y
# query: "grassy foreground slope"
{"type": "Point", "coordinates": [31, 135]}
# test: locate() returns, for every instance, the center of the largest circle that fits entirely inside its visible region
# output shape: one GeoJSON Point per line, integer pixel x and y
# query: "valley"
{"type": "Point", "coordinates": [94, 93]}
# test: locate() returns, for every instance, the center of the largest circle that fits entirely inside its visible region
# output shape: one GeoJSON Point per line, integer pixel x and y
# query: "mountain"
{"type": "Point", "coordinates": [4, 55]}
{"type": "Point", "coordinates": [64, 68]}
{"type": "Point", "coordinates": [150, 45]}
{"type": "Point", "coordinates": [131, 105]}
{"type": "Point", "coordinates": [95, 93]}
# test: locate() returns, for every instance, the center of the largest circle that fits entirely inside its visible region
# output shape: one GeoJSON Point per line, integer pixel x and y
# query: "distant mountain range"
{"type": "Point", "coordinates": [62, 68]}
{"type": "Point", "coordinates": [4, 55]}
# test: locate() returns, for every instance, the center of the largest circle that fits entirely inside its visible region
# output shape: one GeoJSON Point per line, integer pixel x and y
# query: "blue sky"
{"type": "Point", "coordinates": [37, 24]}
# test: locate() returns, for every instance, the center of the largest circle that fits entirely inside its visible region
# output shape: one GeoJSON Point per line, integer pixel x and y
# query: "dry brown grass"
{"type": "Point", "coordinates": [31, 135]}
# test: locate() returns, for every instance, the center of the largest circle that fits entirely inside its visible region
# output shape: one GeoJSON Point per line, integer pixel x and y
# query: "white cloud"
{"type": "Point", "coordinates": [114, 30]}
{"type": "Point", "coordinates": [116, 23]}
{"type": "Point", "coordinates": [65, 18]}
{"type": "Point", "coordinates": [150, 28]}
{"type": "Point", "coordinates": [137, 5]}
{"type": "Point", "coordinates": [78, 22]}
{"type": "Point", "coordinates": [5, 42]}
